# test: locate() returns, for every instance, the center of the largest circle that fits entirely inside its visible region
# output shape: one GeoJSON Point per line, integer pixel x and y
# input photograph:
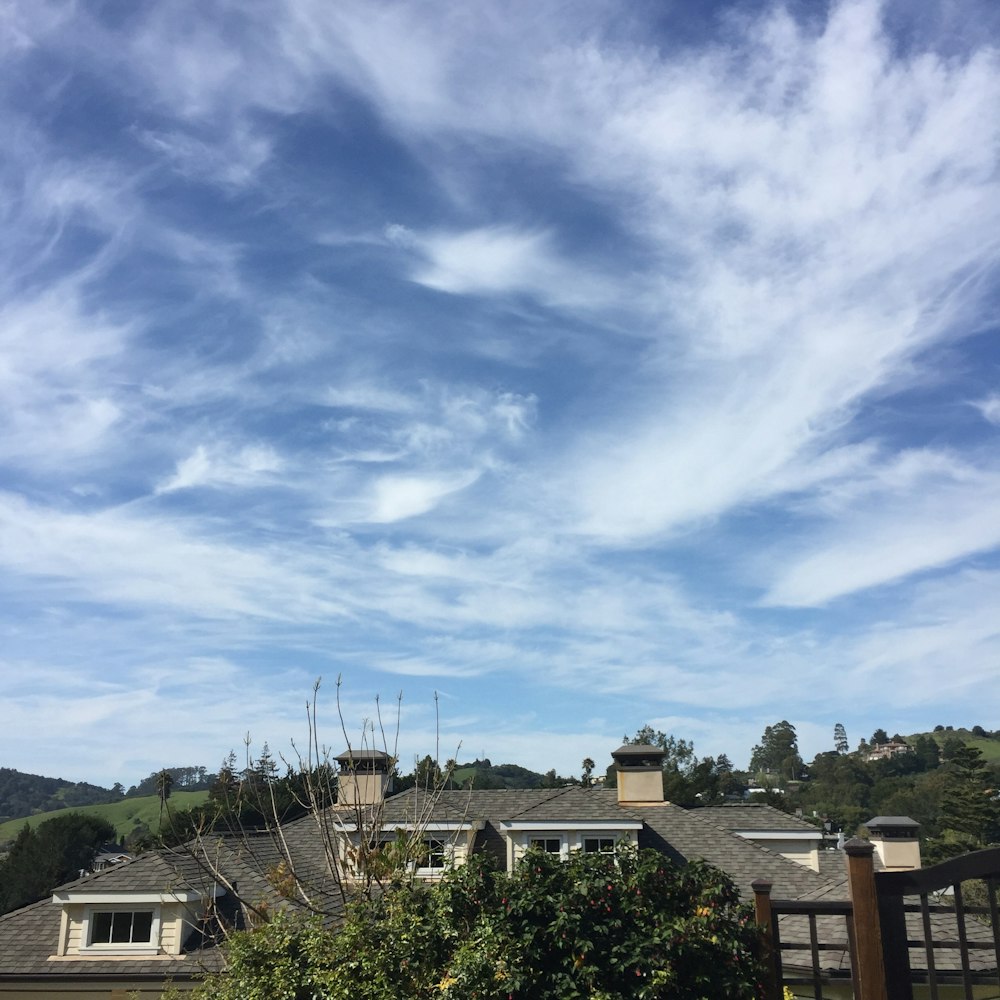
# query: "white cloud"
{"type": "Point", "coordinates": [399, 497]}
{"type": "Point", "coordinates": [121, 557]}
{"type": "Point", "coordinates": [989, 408]}
{"type": "Point", "coordinates": [233, 159]}
{"type": "Point", "coordinates": [766, 246]}
{"type": "Point", "coordinates": [502, 260]}
{"type": "Point", "coordinates": [923, 511]}
{"type": "Point", "coordinates": [361, 396]}
{"type": "Point", "coordinates": [249, 466]}
{"type": "Point", "coordinates": [52, 396]}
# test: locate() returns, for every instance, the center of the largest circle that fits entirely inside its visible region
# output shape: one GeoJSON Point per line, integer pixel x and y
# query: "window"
{"type": "Point", "coordinates": [598, 845]}
{"type": "Point", "coordinates": [435, 854]}
{"type": "Point", "coordinates": [121, 927]}
{"type": "Point", "coordinates": [551, 845]}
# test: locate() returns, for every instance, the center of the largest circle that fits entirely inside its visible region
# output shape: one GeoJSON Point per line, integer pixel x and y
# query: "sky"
{"type": "Point", "coordinates": [558, 368]}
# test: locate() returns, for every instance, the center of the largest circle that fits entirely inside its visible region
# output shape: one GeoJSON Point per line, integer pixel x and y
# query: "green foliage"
{"type": "Point", "coordinates": [190, 779]}
{"type": "Point", "coordinates": [23, 794]}
{"type": "Point", "coordinates": [970, 816]}
{"type": "Point", "coordinates": [778, 751]}
{"type": "Point", "coordinates": [635, 926]}
{"type": "Point", "coordinates": [48, 856]}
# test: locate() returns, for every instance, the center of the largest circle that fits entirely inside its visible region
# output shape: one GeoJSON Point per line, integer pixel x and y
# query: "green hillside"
{"type": "Point", "coordinates": [990, 746]}
{"type": "Point", "coordinates": [124, 815]}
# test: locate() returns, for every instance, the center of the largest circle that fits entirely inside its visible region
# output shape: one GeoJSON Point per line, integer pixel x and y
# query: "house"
{"type": "Point", "coordinates": [883, 751]}
{"type": "Point", "coordinates": [133, 926]}
{"type": "Point", "coordinates": [109, 854]}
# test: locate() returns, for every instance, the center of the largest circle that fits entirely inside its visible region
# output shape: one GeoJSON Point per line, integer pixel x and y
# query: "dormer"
{"type": "Point", "coordinates": [365, 778]}
{"type": "Point", "coordinates": [640, 774]}
{"type": "Point", "coordinates": [99, 923]}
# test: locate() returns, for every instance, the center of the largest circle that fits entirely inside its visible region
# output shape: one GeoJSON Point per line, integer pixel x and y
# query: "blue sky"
{"type": "Point", "coordinates": [588, 364]}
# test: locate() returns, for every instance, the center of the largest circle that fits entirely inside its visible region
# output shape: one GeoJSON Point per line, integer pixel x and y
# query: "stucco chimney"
{"type": "Point", "coordinates": [640, 773]}
{"type": "Point", "coordinates": [365, 777]}
{"type": "Point", "coordinates": [895, 841]}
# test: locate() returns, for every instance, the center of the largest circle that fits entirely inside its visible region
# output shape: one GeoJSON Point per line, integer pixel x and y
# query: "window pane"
{"type": "Point", "coordinates": [599, 845]}
{"type": "Point", "coordinates": [142, 926]}
{"type": "Point", "coordinates": [551, 845]}
{"type": "Point", "coordinates": [434, 852]}
{"type": "Point", "coordinates": [121, 928]}
{"type": "Point", "coordinates": [100, 924]}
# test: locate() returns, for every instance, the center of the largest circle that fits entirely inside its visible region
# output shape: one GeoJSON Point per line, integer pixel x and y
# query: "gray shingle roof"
{"type": "Point", "coordinates": [892, 821]}
{"type": "Point", "coordinates": [754, 816]}
{"type": "Point", "coordinates": [686, 835]}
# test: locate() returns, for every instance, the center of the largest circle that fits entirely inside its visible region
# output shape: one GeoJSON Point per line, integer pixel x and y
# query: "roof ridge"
{"type": "Point", "coordinates": [554, 793]}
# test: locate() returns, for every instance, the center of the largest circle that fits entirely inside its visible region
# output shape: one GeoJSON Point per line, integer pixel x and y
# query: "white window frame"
{"type": "Point", "coordinates": [520, 833]}
{"type": "Point", "coordinates": [543, 838]}
{"type": "Point", "coordinates": [599, 837]}
{"type": "Point", "coordinates": [90, 947]}
{"type": "Point", "coordinates": [446, 850]}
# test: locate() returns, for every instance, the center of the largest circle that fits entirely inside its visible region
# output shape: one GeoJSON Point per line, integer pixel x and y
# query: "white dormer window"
{"type": "Point", "coordinates": [117, 930]}
{"type": "Point", "coordinates": [563, 838]}
{"type": "Point", "coordinates": [112, 924]}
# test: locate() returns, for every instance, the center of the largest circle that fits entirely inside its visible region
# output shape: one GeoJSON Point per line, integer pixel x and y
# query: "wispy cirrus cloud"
{"type": "Point", "coordinates": [249, 465]}
{"type": "Point", "coordinates": [638, 361]}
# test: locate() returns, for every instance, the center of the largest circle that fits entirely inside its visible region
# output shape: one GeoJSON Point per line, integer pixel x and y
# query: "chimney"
{"type": "Point", "coordinates": [895, 841]}
{"type": "Point", "coordinates": [640, 774]}
{"type": "Point", "coordinates": [364, 778]}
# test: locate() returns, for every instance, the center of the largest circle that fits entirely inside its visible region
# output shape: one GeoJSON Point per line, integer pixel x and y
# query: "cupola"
{"type": "Point", "coordinates": [896, 842]}
{"type": "Point", "coordinates": [365, 777]}
{"type": "Point", "coordinates": [640, 773]}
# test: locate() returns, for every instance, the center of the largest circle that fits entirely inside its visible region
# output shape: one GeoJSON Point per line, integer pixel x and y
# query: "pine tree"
{"type": "Point", "coordinates": [266, 767]}
{"type": "Point", "coordinates": [840, 738]}
{"type": "Point", "coordinates": [778, 751]}
{"type": "Point", "coordinates": [967, 806]}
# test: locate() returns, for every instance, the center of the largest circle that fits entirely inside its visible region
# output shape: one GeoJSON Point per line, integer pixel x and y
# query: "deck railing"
{"type": "Point", "coordinates": [867, 940]}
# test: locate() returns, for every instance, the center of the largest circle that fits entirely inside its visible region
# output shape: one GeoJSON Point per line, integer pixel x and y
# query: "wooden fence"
{"type": "Point", "coordinates": [881, 945]}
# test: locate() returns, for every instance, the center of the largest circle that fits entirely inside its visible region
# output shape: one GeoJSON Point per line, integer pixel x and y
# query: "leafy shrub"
{"type": "Point", "coordinates": [633, 926]}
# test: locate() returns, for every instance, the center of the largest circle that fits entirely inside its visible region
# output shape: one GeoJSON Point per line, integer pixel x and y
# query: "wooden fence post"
{"type": "Point", "coordinates": [869, 968]}
{"type": "Point", "coordinates": [762, 915]}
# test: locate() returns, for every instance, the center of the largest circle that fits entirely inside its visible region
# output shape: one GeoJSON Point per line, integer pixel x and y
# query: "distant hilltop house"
{"type": "Point", "coordinates": [108, 855]}
{"type": "Point", "coordinates": [133, 926]}
{"type": "Point", "coordinates": [882, 751]}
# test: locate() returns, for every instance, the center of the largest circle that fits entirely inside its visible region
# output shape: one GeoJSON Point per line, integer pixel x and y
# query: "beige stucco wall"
{"type": "Point", "coordinates": [898, 855]}
{"type": "Point", "coordinates": [640, 786]}
{"type": "Point", "coordinates": [803, 852]}
{"type": "Point", "coordinates": [363, 788]}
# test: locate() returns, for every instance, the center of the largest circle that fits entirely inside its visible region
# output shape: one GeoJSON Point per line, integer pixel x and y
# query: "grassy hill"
{"type": "Point", "coordinates": [990, 747]}
{"type": "Point", "coordinates": [124, 815]}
